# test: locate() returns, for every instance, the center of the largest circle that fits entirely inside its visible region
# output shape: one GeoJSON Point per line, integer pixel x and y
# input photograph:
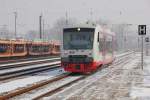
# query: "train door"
{"type": "Point", "coordinates": [98, 47]}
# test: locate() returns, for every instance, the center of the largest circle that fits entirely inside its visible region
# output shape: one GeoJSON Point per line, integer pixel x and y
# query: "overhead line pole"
{"type": "Point", "coordinates": [15, 13]}
{"type": "Point", "coordinates": [66, 18]}
{"type": "Point", "coordinates": [43, 29]}
{"type": "Point", "coordinates": [40, 26]}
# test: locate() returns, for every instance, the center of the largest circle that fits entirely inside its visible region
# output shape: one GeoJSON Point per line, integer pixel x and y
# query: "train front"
{"type": "Point", "coordinates": [77, 48]}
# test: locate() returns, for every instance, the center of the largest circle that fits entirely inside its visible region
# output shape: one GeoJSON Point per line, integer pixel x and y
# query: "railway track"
{"type": "Point", "coordinates": [18, 59]}
{"type": "Point", "coordinates": [66, 93]}
{"type": "Point", "coordinates": [119, 59]}
{"type": "Point", "coordinates": [27, 63]}
{"type": "Point", "coordinates": [49, 92]}
{"type": "Point", "coordinates": [13, 73]}
{"type": "Point", "coordinates": [13, 70]}
{"type": "Point", "coordinates": [31, 87]}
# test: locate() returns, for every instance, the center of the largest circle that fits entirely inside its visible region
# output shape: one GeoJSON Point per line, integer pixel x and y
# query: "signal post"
{"type": "Point", "coordinates": [142, 31]}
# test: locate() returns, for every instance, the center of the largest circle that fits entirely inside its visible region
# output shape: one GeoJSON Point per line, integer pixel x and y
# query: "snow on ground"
{"type": "Point", "coordinates": [49, 87]}
{"type": "Point", "coordinates": [78, 86]}
{"type": "Point", "coordinates": [125, 81]}
{"type": "Point", "coordinates": [113, 83]}
{"type": "Point", "coordinates": [141, 91]}
{"type": "Point", "coordinates": [122, 54]}
{"type": "Point", "coordinates": [12, 85]}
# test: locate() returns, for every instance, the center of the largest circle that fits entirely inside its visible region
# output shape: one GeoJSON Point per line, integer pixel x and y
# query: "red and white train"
{"type": "Point", "coordinates": [85, 48]}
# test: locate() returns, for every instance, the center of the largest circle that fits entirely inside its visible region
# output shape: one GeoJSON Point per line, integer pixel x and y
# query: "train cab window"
{"type": "Point", "coordinates": [74, 40]}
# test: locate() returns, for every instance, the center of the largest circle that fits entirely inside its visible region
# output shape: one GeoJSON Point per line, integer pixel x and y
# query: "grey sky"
{"type": "Point", "coordinates": [133, 11]}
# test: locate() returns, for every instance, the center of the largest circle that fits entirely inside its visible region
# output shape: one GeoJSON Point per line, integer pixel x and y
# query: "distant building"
{"type": "Point", "coordinates": [5, 34]}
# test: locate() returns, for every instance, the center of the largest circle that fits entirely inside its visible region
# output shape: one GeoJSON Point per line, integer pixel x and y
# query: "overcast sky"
{"type": "Point", "coordinates": [132, 11]}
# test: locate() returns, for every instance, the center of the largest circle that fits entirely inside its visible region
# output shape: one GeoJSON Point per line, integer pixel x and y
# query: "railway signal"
{"type": "Point", "coordinates": [147, 39]}
{"type": "Point", "coordinates": [142, 31]}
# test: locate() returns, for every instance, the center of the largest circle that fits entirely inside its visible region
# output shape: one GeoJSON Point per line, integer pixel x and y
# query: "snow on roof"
{"type": "Point", "coordinates": [85, 25]}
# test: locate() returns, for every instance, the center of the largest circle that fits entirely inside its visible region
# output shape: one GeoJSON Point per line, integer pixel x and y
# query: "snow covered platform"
{"type": "Point", "coordinates": [141, 91]}
{"type": "Point", "coordinates": [125, 81]}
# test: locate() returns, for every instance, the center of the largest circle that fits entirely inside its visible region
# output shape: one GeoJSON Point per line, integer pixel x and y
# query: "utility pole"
{"type": "Point", "coordinates": [66, 18]}
{"type": "Point", "coordinates": [142, 53]}
{"type": "Point", "coordinates": [43, 29]}
{"type": "Point", "coordinates": [138, 43]}
{"type": "Point", "coordinates": [40, 26]}
{"type": "Point", "coordinates": [15, 13]}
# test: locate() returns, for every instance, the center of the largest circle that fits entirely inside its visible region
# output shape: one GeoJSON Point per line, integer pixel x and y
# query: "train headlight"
{"type": "Point", "coordinates": [78, 29]}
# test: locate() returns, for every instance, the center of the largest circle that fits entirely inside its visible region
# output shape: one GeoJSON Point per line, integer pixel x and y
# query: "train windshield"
{"type": "Point", "coordinates": [80, 39]}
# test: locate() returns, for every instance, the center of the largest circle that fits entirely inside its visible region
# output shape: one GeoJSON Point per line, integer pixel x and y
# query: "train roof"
{"type": "Point", "coordinates": [4, 41]}
{"type": "Point", "coordinates": [97, 27]}
{"type": "Point", "coordinates": [12, 41]}
{"type": "Point", "coordinates": [81, 26]}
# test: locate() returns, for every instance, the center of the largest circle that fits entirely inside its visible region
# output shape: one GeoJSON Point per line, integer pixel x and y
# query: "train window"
{"type": "Point", "coordinates": [3, 48]}
{"type": "Point", "coordinates": [19, 48]}
{"type": "Point", "coordinates": [98, 37]}
{"type": "Point", "coordinates": [109, 44]}
{"type": "Point", "coordinates": [78, 40]}
{"type": "Point", "coordinates": [36, 48]}
{"type": "Point", "coordinates": [46, 48]}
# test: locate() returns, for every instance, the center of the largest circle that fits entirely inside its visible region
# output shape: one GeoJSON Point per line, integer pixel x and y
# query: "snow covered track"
{"type": "Point", "coordinates": [121, 58]}
{"type": "Point", "coordinates": [60, 87]}
{"type": "Point", "coordinates": [15, 60]}
{"type": "Point", "coordinates": [77, 87]}
{"type": "Point", "coordinates": [7, 74]}
{"type": "Point", "coordinates": [99, 86]}
{"type": "Point", "coordinates": [51, 88]}
{"type": "Point", "coordinates": [27, 63]}
{"type": "Point", "coordinates": [31, 87]}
